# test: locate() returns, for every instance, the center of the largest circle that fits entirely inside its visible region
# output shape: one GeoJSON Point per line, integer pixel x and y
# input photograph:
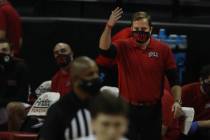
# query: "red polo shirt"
{"type": "Point", "coordinates": [61, 83]}
{"type": "Point", "coordinates": [141, 72]}
{"type": "Point", "coordinates": [10, 23]}
{"type": "Point", "coordinates": [122, 34]}
{"type": "Point", "coordinates": [192, 97]}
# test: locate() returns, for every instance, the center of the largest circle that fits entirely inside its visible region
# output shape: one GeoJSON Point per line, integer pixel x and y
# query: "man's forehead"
{"type": "Point", "coordinates": [141, 23]}
{"type": "Point", "coordinates": [62, 46]}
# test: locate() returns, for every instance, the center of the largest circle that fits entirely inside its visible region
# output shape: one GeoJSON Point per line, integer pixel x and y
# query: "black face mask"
{"type": "Point", "coordinates": [92, 87]}
{"type": "Point", "coordinates": [5, 59]}
{"type": "Point", "coordinates": [141, 36]}
{"type": "Point", "coordinates": [63, 60]}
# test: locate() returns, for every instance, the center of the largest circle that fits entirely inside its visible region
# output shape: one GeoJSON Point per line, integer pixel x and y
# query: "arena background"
{"type": "Point", "coordinates": [80, 22]}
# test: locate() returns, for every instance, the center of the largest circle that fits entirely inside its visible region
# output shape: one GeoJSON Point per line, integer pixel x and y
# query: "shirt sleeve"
{"type": "Point", "coordinates": [115, 51]}
{"type": "Point", "coordinates": [52, 128]}
{"type": "Point", "coordinates": [104, 61]}
{"type": "Point", "coordinates": [2, 21]}
{"type": "Point", "coordinates": [187, 95]}
{"type": "Point", "coordinates": [23, 87]}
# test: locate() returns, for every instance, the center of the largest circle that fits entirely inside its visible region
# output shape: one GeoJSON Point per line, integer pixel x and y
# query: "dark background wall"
{"type": "Point", "coordinates": [41, 34]}
{"type": "Point", "coordinates": [43, 27]}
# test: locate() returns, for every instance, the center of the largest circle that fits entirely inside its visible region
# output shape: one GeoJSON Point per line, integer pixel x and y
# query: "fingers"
{"type": "Point", "coordinates": [117, 12]}
{"type": "Point", "coordinates": [117, 9]}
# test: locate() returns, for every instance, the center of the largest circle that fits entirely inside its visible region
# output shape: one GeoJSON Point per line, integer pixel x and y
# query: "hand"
{"type": "Point", "coordinates": [176, 108]}
{"type": "Point", "coordinates": [194, 128]}
{"type": "Point", "coordinates": [115, 16]}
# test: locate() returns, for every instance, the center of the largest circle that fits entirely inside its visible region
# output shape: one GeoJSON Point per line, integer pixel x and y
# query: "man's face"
{"type": "Point", "coordinates": [62, 49]}
{"type": "Point", "coordinates": [141, 25]}
{"type": "Point", "coordinates": [63, 55]}
{"type": "Point", "coordinates": [206, 85]}
{"type": "Point", "coordinates": [88, 80]}
{"type": "Point", "coordinates": [92, 72]}
{"type": "Point", "coordinates": [5, 48]}
{"type": "Point", "coordinates": [109, 127]}
{"type": "Point", "coordinates": [206, 81]}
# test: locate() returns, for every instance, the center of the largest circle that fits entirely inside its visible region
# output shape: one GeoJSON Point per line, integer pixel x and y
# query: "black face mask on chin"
{"type": "Point", "coordinates": [92, 87]}
{"type": "Point", "coordinates": [63, 60]}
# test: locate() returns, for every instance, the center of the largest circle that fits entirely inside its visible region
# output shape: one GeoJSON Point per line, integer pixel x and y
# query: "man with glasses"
{"type": "Point", "coordinates": [63, 55]}
{"type": "Point", "coordinates": [197, 95]}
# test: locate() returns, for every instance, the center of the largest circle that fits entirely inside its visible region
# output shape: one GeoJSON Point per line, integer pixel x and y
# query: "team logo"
{"type": "Point", "coordinates": [153, 54]}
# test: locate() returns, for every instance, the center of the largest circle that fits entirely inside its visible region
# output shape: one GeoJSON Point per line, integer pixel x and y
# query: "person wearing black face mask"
{"type": "Point", "coordinates": [63, 55]}
{"type": "Point", "coordinates": [69, 118]}
{"type": "Point", "coordinates": [13, 86]}
{"type": "Point", "coordinates": [143, 62]}
{"type": "Point", "coordinates": [197, 95]}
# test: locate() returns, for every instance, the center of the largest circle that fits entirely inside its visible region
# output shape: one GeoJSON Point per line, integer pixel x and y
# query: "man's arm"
{"type": "Point", "coordinates": [23, 82]}
{"type": "Point", "coordinates": [176, 91]}
{"type": "Point", "coordinates": [105, 40]}
{"type": "Point", "coordinates": [204, 124]}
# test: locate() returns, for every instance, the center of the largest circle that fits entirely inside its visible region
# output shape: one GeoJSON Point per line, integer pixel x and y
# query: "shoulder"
{"type": "Point", "coordinates": [68, 103]}
{"type": "Point", "coordinates": [56, 75]}
{"type": "Point", "coordinates": [122, 42]}
{"type": "Point", "coordinates": [160, 45]}
{"type": "Point", "coordinates": [191, 88]}
{"type": "Point", "coordinates": [19, 63]}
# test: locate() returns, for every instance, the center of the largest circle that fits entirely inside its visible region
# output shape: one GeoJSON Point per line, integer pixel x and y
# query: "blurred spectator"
{"type": "Point", "coordinates": [197, 95]}
{"type": "Point", "coordinates": [109, 117]}
{"type": "Point", "coordinates": [13, 79]}
{"type": "Point", "coordinates": [10, 26]}
{"type": "Point", "coordinates": [37, 113]}
{"type": "Point", "coordinates": [63, 55]}
{"type": "Point", "coordinates": [69, 118]}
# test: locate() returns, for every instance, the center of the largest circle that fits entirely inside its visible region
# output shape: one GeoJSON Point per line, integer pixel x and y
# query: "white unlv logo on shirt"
{"type": "Point", "coordinates": [153, 54]}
